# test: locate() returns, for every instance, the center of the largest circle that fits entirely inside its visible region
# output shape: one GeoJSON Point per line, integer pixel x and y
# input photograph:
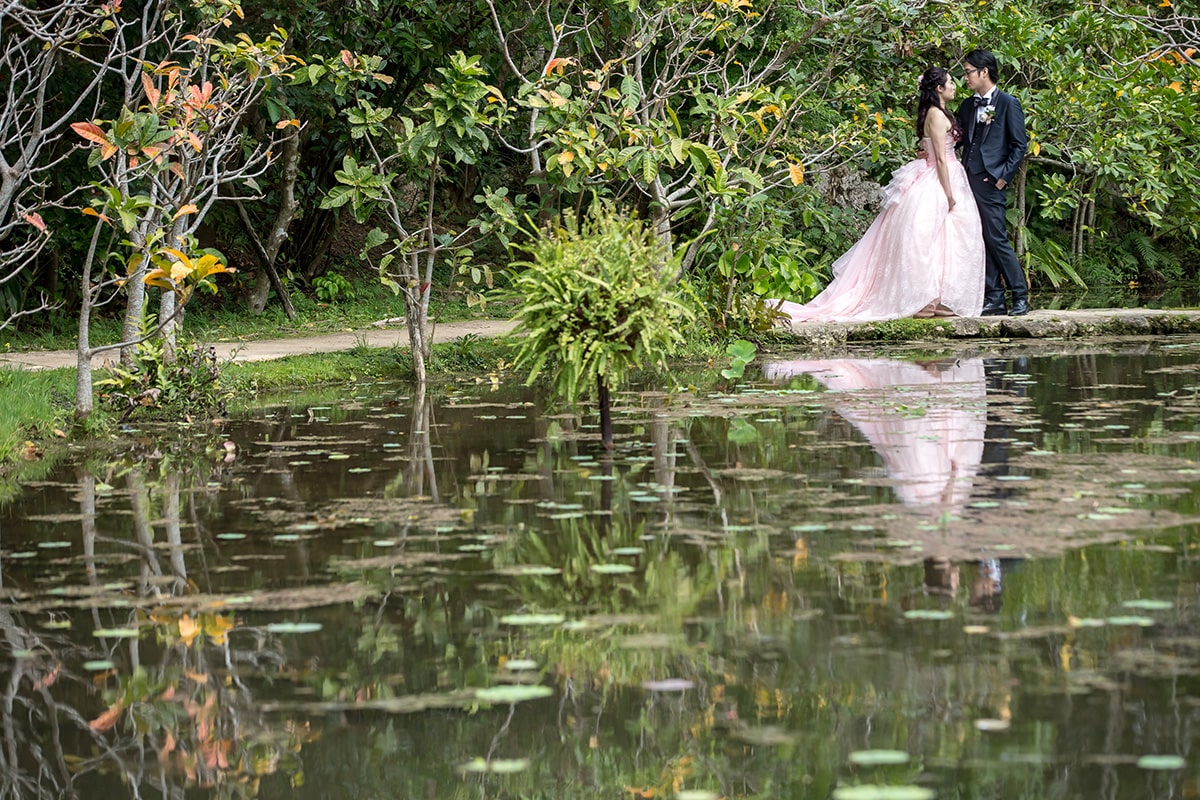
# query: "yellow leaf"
{"type": "Point", "coordinates": [796, 173]}
{"type": "Point", "coordinates": [180, 271]}
{"type": "Point", "coordinates": [1176, 87]}
{"type": "Point", "coordinates": [190, 208]}
{"type": "Point", "coordinates": [1036, 147]}
{"type": "Point", "coordinates": [595, 86]}
{"type": "Point", "coordinates": [878, 121]}
{"type": "Point", "coordinates": [565, 157]}
{"type": "Point", "coordinates": [188, 630]}
{"type": "Point", "coordinates": [217, 626]}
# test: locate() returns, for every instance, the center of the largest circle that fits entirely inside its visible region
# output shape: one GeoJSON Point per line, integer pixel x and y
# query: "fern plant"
{"type": "Point", "coordinates": [597, 299]}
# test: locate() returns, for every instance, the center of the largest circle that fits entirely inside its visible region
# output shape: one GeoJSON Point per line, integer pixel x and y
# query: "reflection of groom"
{"type": "Point", "coordinates": [994, 146]}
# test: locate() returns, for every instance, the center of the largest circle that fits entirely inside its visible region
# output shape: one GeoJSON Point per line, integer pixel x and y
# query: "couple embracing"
{"type": "Point", "coordinates": [939, 247]}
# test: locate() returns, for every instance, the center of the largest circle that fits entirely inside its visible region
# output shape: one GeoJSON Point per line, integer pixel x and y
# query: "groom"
{"type": "Point", "coordinates": [993, 148]}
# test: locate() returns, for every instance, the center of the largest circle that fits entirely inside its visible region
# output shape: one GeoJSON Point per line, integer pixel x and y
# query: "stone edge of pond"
{"type": "Point", "coordinates": [1040, 324]}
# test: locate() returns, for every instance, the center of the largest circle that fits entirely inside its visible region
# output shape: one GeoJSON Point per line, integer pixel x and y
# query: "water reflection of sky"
{"type": "Point", "coordinates": [758, 583]}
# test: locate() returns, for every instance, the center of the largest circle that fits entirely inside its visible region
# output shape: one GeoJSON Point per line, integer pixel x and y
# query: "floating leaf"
{"type": "Point", "coordinates": [538, 569]}
{"type": "Point", "coordinates": [116, 633]}
{"type": "Point", "coordinates": [512, 694]}
{"type": "Point", "coordinates": [612, 569]}
{"type": "Point", "coordinates": [294, 627]}
{"type": "Point", "coordinates": [520, 664]}
{"type": "Point", "coordinates": [1143, 622]}
{"type": "Point", "coordinates": [924, 613]}
{"type": "Point", "coordinates": [874, 758]}
{"type": "Point", "coordinates": [497, 766]}
{"type": "Point", "coordinates": [98, 666]}
{"type": "Point", "coordinates": [1161, 762]}
{"type": "Point", "coordinates": [1149, 605]}
{"type": "Point", "coordinates": [669, 685]}
{"type": "Point", "coordinates": [992, 724]}
{"type": "Point", "coordinates": [696, 794]}
{"type": "Point", "coordinates": [628, 551]}
{"type": "Point", "coordinates": [870, 791]}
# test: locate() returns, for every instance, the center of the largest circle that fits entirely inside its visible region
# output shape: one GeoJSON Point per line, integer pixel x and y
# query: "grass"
{"type": "Point", "coordinates": [35, 418]}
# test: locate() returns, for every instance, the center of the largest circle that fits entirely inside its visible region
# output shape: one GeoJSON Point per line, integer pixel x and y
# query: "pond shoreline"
{"type": "Point", "coordinates": [1038, 324]}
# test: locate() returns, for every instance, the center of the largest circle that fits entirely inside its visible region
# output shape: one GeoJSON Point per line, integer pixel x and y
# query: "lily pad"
{"type": "Point", "coordinates": [98, 666]}
{"type": "Point", "coordinates": [1142, 622]}
{"type": "Point", "coordinates": [925, 613]}
{"type": "Point", "coordinates": [294, 627]}
{"type": "Point", "coordinates": [612, 569]}
{"type": "Point", "coordinates": [512, 694]}
{"type": "Point", "coordinates": [669, 685]}
{"type": "Point", "coordinates": [1161, 762]}
{"type": "Point", "coordinates": [1149, 605]}
{"type": "Point", "coordinates": [874, 758]}
{"type": "Point", "coordinates": [497, 766]}
{"type": "Point", "coordinates": [871, 791]}
{"type": "Point", "coordinates": [116, 633]}
{"type": "Point", "coordinates": [520, 664]}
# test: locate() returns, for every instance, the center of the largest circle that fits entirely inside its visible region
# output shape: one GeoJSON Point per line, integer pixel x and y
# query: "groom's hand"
{"type": "Point", "coordinates": [1001, 183]}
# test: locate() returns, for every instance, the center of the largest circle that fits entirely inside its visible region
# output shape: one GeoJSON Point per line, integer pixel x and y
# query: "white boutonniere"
{"type": "Point", "coordinates": [985, 114]}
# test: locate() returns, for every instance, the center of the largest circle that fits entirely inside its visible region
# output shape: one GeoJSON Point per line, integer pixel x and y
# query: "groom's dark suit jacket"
{"type": "Point", "coordinates": [1003, 141]}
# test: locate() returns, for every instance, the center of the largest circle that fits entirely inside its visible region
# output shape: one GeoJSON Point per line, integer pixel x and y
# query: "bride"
{"type": "Point", "coordinates": [923, 255]}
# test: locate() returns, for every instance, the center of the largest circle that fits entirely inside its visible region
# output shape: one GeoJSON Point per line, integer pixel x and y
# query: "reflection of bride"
{"type": "Point", "coordinates": [932, 455]}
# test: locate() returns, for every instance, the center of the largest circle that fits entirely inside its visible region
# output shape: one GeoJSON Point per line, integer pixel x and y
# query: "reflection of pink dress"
{"type": "Point", "coordinates": [914, 253]}
{"type": "Point", "coordinates": [927, 423]}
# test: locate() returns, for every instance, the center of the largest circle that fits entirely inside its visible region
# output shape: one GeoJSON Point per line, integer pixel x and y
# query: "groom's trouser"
{"type": "Point", "coordinates": [1001, 265]}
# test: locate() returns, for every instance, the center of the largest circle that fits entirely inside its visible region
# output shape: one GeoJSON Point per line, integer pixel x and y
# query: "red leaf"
{"type": "Point", "coordinates": [35, 219]}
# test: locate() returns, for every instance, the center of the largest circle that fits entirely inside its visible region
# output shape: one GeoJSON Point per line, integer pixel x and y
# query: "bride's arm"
{"type": "Point", "coordinates": [936, 128]}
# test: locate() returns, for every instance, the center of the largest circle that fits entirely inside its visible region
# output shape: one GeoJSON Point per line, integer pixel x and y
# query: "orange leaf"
{"type": "Point", "coordinates": [152, 93]}
{"type": "Point", "coordinates": [796, 173]}
{"type": "Point", "coordinates": [557, 64]}
{"type": "Point", "coordinates": [283, 123]}
{"type": "Point", "coordinates": [90, 131]}
{"type": "Point", "coordinates": [107, 151]}
{"type": "Point", "coordinates": [91, 212]}
{"type": "Point", "coordinates": [190, 208]}
{"type": "Point", "coordinates": [194, 140]}
{"type": "Point", "coordinates": [35, 219]}
{"type": "Point", "coordinates": [347, 58]}
{"type": "Point", "coordinates": [107, 719]}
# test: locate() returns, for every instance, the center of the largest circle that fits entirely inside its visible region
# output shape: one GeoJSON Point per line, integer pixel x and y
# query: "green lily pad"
{"type": "Point", "coordinates": [874, 758]}
{"type": "Point", "coordinates": [925, 613]}
{"type": "Point", "coordinates": [1149, 605]}
{"type": "Point", "coordinates": [512, 694]}
{"type": "Point", "coordinates": [98, 666]}
{"type": "Point", "coordinates": [1142, 622]}
{"type": "Point", "coordinates": [497, 766]}
{"type": "Point", "coordinates": [612, 569]}
{"type": "Point", "coordinates": [294, 627]}
{"type": "Point", "coordinates": [1161, 762]}
{"type": "Point", "coordinates": [870, 791]}
{"type": "Point", "coordinates": [520, 664]}
{"type": "Point", "coordinates": [116, 633]}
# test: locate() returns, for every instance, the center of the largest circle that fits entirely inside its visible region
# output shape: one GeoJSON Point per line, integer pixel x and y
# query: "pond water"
{"type": "Point", "coordinates": [971, 576]}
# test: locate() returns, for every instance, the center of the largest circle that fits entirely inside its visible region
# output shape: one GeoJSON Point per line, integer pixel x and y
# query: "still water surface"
{"type": "Point", "coordinates": [963, 577]}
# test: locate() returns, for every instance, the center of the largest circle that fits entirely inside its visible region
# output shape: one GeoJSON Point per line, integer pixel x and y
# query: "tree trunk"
{"type": "Point", "coordinates": [83, 346]}
{"type": "Point", "coordinates": [268, 253]}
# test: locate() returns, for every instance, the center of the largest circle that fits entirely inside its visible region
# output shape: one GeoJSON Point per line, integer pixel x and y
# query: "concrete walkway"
{"type": "Point", "coordinates": [267, 349]}
{"type": "Point", "coordinates": [1038, 324]}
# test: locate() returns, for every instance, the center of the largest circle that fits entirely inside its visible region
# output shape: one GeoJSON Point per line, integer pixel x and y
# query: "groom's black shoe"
{"type": "Point", "coordinates": [1020, 308]}
{"type": "Point", "coordinates": [995, 310]}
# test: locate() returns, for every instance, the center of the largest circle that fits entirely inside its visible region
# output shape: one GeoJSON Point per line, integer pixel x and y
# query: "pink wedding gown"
{"type": "Point", "coordinates": [914, 253]}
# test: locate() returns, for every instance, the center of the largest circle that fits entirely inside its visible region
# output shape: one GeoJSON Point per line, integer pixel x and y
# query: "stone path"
{"type": "Point", "coordinates": [267, 349]}
{"type": "Point", "coordinates": [1038, 324]}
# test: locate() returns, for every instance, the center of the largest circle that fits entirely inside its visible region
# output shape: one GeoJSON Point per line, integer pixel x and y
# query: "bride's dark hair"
{"type": "Point", "coordinates": [933, 79]}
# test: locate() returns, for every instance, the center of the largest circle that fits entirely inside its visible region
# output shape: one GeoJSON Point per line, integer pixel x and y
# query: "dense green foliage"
{"type": "Point", "coordinates": [598, 300]}
{"type": "Point", "coordinates": [730, 126]}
